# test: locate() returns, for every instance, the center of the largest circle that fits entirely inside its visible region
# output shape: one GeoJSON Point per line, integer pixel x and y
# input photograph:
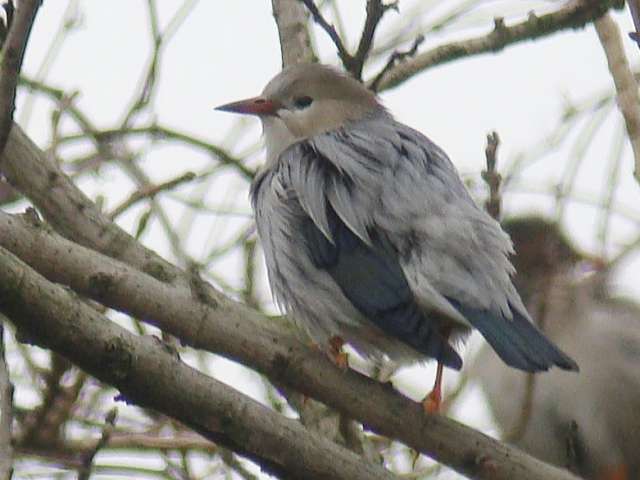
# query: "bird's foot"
{"type": "Point", "coordinates": [617, 472]}
{"type": "Point", "coordinates": [431, 403]}
{"type": "Point", "coordinates": [337, 356]}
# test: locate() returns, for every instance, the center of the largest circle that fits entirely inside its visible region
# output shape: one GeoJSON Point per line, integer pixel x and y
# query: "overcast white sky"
{"type": "Point", "coordinates": [229, 50]}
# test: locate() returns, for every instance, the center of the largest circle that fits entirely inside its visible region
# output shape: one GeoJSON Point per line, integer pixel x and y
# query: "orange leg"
{"type": "Point", "coordinates": [337, 356]}
{"type": "Point", "coordinates": [431, 402]}
{"type": "Point", "coordinates": [618, 472]}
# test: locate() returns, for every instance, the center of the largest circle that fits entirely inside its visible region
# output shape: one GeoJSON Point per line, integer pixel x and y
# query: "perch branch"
{"type": "Point", "coordinates": [265, 345]}
{"type": "Point", "coordinates": [151, 375]}
{"type": "Point", "coordinates": [625, 83]}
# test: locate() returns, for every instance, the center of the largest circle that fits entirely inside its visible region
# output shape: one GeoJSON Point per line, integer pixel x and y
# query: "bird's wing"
{"type": "Point", "coordinates": [396, 183]}
{"type": "Point", "coordinates": [362, 264]}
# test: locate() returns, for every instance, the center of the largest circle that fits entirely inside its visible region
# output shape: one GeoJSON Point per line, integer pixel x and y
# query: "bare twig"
{"type": "Point", "coordinates": [159, 38]}
{"type": "Point", "coordinates": [150, 191]}
{"type": "Point", "coordinates": [634, 10]}
{"type": "Point", "coordinates": [622, 256]}
{"type": "Point", "coordinates": [6, 413]}
{"type": "Point", "coordinates": [109, 424]}
{"type": "Point", "coordinates": [491, 176]}
{"type": "Point", "coordinates": [353, 63]}
{"type": "Point", "coordinates": [573, 14]}
{"type": "Point", "coordinates": [104, 137]}
{"type": "Point", "coordinates": [43, 425]}
{"type": "Point", "coordinates": [229, 458]}
{"type": "Point", "coordinates": [526, 410]}
{"type": "Point", "coordinates": [396, 56]}
{"type": "Point", "coordinates": [626, 85]}
{"type": "Point", "coordinates": [343, 53]}
{"type": "Point", "coordinates": [375, 11]}
{"type": "Point", "coordinates": [12, 56]}
{"type": "Point", "coordinates": [69, 21]}
{"type": "Point", "coordinates": [610, 185]}
{"type": "Point", "coordinates": [184, 440]}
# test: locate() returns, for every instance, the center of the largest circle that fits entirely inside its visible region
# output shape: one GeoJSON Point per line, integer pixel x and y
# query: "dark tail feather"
{"type": "Point", "coordinates": [517, 342]}
{"type": "Point", "coordinates": [407, 323]}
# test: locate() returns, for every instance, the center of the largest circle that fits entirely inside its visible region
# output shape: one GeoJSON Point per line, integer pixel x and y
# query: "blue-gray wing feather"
{"type": "Point", "coordinates": [372, 279]}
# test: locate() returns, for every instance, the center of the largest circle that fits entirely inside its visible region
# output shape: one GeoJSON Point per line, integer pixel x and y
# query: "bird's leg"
{"type": "Point", "coordinates": [337, 356]}
{"type": "Point", "coordinates": [432, 401]}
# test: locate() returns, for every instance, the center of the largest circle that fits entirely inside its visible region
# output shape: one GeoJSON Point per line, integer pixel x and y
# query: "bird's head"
{"type": "Point", "coordinates": [304, 100]}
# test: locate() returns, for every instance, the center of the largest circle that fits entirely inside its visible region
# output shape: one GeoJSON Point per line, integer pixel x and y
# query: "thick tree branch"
{"type": "Point", "coordinates": [574, 14]}
{"type": "Point", "coordinates": [295, 41]}
{"type": "Point", "coordinates": [625, 82]}
{"type": "Point", "coordinates": [151, 375]}
{"type": "Point", "coordinates": [11, 63]}
{"type": "Point", "coordinates": [241, 335]}
{"type": "Point", "coordinates": [6, 414]}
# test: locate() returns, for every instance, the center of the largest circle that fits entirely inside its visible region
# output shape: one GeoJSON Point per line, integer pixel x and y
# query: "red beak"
{"type": "Point", "coordinates": [252, 106]}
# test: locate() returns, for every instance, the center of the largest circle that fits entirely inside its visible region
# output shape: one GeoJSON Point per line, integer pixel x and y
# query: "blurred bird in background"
{"type": "Point", "coordinates": [371, 238]}
{"type": "Point", "coordinates": [588, 422]}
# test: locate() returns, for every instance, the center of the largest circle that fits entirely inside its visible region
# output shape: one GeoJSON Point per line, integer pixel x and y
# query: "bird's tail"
{"type": "Point", "coordinates": [517, 341]}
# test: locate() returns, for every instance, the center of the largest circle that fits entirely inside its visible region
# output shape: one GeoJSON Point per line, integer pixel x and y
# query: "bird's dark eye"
{"type": "Point", "coordinates": [302, 102]}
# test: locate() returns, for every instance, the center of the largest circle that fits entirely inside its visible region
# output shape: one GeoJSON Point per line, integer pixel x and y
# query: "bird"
{"type": "Point", "coordinates": [371, 238]}
{"type": "Point", "coordinates": [594, 413]}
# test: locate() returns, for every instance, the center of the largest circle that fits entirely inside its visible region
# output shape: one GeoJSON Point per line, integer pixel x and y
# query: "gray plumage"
{"type": "Point", "coordinates": [370, 235]}
{"type": "Point", "coordinates": [596, 412]}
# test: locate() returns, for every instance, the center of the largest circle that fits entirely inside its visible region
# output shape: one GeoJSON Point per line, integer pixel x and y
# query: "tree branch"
{"type": "Point", "coordinates": [375, 11]}
{"type": "Point", "coordinates": [156, 131]}
{"type": "Point", "coordinates": [491, 176]}
{"type": "Point", "coordinates": [353, 63]}
{"type": "Point", "coordinates": [12, 55]}
{"type": "Point", "coordinates": [634, 11]}
{"type": "Point", "coordinates": [151, 375]}
{"type": "Point", "coordinates": [625, 83]}
{"type": "Point", "coordinates": [575, 14]}
{"type": "Point", "coordinates": [72, 214]}
{"type": "Point", "coordinates": [150, 191]}
{"type": "Point", "coordinates": [295, 41]}
{"type": "Point", "coordinates": [243, 335]}
{"type": "Point", "coordinates": [84, 472]}
{"type": "Point", "coordinates": [6, 414]}
{"type": "Point", "coordinates": [343, 53]}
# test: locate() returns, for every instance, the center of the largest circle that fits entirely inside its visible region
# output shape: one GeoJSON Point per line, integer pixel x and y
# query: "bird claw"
{"type": "Point", "coordinates": [337, 356]}
{"type": "Point", "coordinates": [431, 403]}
